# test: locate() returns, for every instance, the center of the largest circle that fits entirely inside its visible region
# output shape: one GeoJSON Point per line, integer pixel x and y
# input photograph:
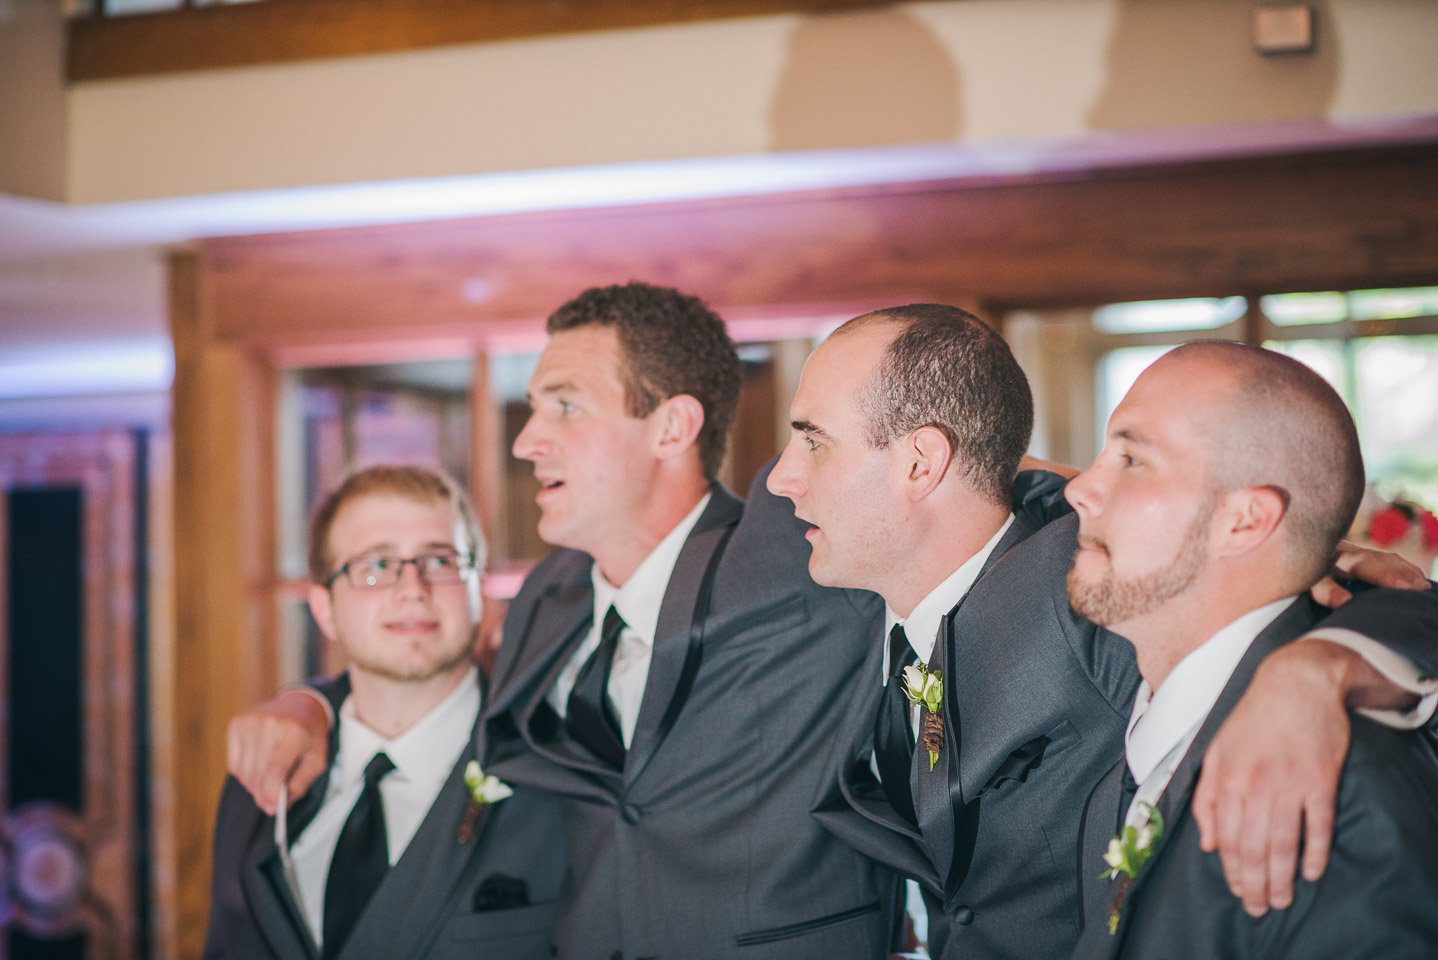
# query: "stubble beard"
{"type": "Point", "coordinates": [379, 667]}
{"type": "Point", "coordinates": [1112, 600]}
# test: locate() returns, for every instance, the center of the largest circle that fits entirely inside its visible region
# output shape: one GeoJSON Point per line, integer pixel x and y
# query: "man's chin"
{"type": "Point", "coordinates": [412, 672]}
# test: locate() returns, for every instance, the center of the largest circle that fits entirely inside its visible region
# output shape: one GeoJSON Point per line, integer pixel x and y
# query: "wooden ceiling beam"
{"type": "Point", "coordinates": [1339, 220]}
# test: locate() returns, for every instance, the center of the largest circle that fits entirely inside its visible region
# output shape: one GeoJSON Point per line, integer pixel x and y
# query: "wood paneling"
{"type": "Point", "coordinates": [100, 468]}
{"type": "Point", "coordinates": [1342, 219]}
{"type": "Point", "coordinates": [275, 31]}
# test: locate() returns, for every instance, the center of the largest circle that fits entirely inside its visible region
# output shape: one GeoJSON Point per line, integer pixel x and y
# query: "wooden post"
{"type": "Point", "coordinates": [224, 655]}
{"type": "Point", "coordinates": [487, 458]}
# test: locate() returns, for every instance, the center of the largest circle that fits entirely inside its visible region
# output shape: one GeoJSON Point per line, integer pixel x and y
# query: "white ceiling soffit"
{"type": "Point", "coordinates": [31, 228]}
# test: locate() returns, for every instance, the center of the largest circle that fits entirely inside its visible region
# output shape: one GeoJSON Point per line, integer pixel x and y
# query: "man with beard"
{"type": "Point", "coordinates": [1228, 475]}
{"type": "Point", "coordinates": [908, 426]}
{"type": "Point", "coordinates": [392, 853]}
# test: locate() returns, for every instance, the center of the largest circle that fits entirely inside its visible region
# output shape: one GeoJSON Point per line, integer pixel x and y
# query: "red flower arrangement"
{"type": "Point", "coordinates": [1392, 523]}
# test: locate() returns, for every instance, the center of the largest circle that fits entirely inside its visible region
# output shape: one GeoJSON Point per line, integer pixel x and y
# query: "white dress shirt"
{"type": "Point", "coordinates": [424, 755]}
{"type": "Point", "coordinates": [921, 626]}
{"type": "Point", "coordinates": [1164, 723]}
{"type": "Point", "coordinates": [638, 602]}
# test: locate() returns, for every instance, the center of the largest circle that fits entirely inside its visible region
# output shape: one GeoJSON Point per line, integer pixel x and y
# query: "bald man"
{"type": "Point", "coordinates": [1228, 476]}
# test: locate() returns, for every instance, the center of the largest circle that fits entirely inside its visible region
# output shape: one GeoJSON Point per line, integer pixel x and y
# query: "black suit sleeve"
{"type": "Point", "coordinates": [1377, 897]}
{"type": "Point", "coordinates": [1039, 497]}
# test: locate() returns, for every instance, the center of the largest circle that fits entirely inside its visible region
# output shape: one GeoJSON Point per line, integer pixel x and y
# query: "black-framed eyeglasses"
{"type": "Point", "coordinates": [435, 569]}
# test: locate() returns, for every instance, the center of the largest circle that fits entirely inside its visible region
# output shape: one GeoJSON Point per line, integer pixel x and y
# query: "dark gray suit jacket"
{"type": "Point", "coordinates": [1378, 898]}
{"type": "Point", "coordinates": [443, 899]}
{"type": "Point", "coordinates": [1035, 704]}
{"type": "Point", "coordinates": [703, 846]}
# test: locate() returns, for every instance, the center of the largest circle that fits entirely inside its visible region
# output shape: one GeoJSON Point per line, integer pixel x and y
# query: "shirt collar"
{"type": "Point", "coordinates": [639, 600]}
{"type": "Point", "coordinates": [922, 625]}
{"type": "Point", "coordinates": [1175, 712]}
{"type": "Point", "coordinates": [424, 753]}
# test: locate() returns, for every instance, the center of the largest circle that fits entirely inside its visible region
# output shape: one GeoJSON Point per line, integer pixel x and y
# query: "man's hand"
{"type": "Point", "coordinates": [1272, 771]}
{"type": "Point", "coordinates": [1377, 567]}
{"type": "Point", "coordinates": [284, 740]}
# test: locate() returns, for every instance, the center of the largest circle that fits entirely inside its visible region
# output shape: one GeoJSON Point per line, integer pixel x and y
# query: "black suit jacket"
{"type": "Point", "coordinates": [703, 846]}
{"type": "Point", "coordinates": [1378, 898]}
{"type": "Point", "coordinates": [492, 895]}
{"type": "Point", "coordinates": [1036, 701]}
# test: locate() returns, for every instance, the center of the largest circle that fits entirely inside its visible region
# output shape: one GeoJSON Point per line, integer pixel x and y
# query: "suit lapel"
{"type": "Point", "coordinates": [557, 624]}
{"type": "Point", "coordinates": [1099, 825]}
{"type": "Point", "coordinates": [679, 632]}
{"type": "Point", "coordinates": [937, 796]}
{"type": "Point", "coordinates": [267, 889]}
{"type": "Point", "coordinates": [1173, 802]}
{"type": "Point", "coordinates": [271, 904]}
{"type": "Point", "coordinates": [949, 824]}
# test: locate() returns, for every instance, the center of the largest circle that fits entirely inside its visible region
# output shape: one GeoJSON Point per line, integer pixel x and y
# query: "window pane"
{"type": "Point", "coordinates": [1324, 356]}
{"type": "Point", "coordinates": [334, 420]}
{"type": "Point", "coordinates": [1290, 309]}
{"type": "Point", "coordinates": [1394, 304]}
{"type": "Point", "coordinates": [122, 7]}
{"type": "Point", "coordinates": [1117, 371]}
{"type": "Point", "coordinates": [1398, 413]}
{"type": "Point", "coordinates": [1151, 316]}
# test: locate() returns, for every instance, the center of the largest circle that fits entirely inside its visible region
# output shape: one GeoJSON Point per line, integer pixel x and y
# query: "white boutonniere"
{"type": "Point", "coordinates": [1126, 855]}
{"type": "Point", "coordinates": [484, 789]}
{"type": "Point", "coordinates": [926, 688]}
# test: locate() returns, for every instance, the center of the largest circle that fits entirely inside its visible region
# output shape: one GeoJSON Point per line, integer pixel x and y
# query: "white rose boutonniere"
{"type": "Point", "coordinates": [1126, 855]}
{"type": "Point", "coordinates": [926, 688]}
{"type": "Point", "coordinates": [484, 789]}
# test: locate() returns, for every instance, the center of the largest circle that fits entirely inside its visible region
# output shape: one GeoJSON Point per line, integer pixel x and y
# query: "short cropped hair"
{"type": "Point", "coordinates": [420, 484]}
{"type": "Point", "coordinates": [949, 370]}
{"type": "Point", "coordinates": [1284, 427]}
{"type": "Point", "coordinates": [672, 343]}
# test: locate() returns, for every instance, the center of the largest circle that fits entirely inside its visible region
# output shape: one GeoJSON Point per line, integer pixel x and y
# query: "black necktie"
{"type": "Point", "coordinates": [360, 861]}
{"type": "Point", "coordinates": [893, 729]}
{"type": "Point", "coordinates": [590, 717]}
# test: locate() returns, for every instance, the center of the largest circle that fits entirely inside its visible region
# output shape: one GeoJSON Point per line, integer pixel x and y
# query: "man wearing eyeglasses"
{"type": "Point", "coordinates": [394, 851]}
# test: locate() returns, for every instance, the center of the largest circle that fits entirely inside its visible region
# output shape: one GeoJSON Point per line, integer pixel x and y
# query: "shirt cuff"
{"type": "Point", "coordinates": [317, 697]}
{"type": "Point", "coordinates": [1397, 668]}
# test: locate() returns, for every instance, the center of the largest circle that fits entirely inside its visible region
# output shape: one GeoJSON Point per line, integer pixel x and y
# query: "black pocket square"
{"type": "Point", "coordinates": [501, 892]}
{"type": "Point", "coordinates": [1020, 763]}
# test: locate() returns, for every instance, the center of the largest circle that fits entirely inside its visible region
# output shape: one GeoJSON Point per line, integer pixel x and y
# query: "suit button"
{"type": "Point", "coordinates": [963, 916]}
{"type": "Point", "coordinates": [631, 812]}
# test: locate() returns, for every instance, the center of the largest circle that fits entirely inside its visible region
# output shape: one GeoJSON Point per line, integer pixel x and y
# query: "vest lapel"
{"type": "Point", "coordinates": [856, 781]}
{"type": "Point", "coordinates": [882, 834]}
{"type": "Point", "coordinates": [679, 633]}
{"type": "Point", "coordinates": [418, 894]}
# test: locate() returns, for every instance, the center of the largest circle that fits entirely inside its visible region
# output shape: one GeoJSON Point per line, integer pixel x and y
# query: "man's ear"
{"type": "Point", "coordinates": [677, 422]}
{"type": "Point", "coordinates": [1250, 518]}
{"type": "Point", "coordinates": [323, 610]}
{"type": "Point", "coordinates": [927, 456]}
